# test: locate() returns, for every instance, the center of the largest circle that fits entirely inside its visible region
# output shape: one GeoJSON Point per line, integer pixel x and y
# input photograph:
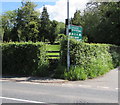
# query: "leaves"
{"type": "Point", "coordinates": [27, 22]}
{"type": "Point", "coordinates": [101, 22]}
{"type": "Point", "coordinates": [89, 60]}
{"type": "Point", "coordinates": [24, 58]}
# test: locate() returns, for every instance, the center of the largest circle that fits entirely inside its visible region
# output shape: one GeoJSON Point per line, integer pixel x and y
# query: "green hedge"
{"type": "Point", "coordinates": [89, 60]}
{"type": "Point", "coordinates": [24, 59]}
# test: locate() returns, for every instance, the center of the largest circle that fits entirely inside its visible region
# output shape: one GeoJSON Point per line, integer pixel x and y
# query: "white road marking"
{"type": "Point", "coordinates": [15, 99]}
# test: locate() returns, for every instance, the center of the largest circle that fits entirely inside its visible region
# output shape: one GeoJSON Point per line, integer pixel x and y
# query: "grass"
{"type": "Point", "coordinates": [53, 47]}
{"type": "Point", "coordinates": [53, 54]}
{"type": "Point", "coordinates": [54, 57]}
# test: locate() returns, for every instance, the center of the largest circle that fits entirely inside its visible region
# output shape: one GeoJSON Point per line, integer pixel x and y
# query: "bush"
{"type": "Point", "coordinates": [75, 73]}
{"type": "Point", "coordinates": [24, 59]}
{"type": "Point", "coordinates": [115, 53]}
{"type": "Point", "coordinates": [59, 71]}
{"type": "Point", "coordinates": [89, 60]}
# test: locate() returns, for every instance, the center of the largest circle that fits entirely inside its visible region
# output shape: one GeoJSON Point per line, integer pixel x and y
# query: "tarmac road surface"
{"type": "Point", "coordinates": [100, 90]}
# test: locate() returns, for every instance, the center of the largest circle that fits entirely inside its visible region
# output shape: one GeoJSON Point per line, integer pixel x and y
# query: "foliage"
{"type": "Point", "coordinates": [21, 24]}
{"type": "Point", "coordinates": [44, 25]}
{"type": "Point", "coordinates": [26, 24]}
{"type": "Point", "coordinates": [60, 37]}
{"type": "Point", "coordinates": [92, 59]}
{"type": "Point", "coordinates": [53, 31]}
{"type": "Point", "coordinates": [61, 27]}
{"type": "Point", "coordinates": [115, 53]}
{"type": "Point", "coordinates": [27, 21]}
{"type": "Point", "coordinates": [24, 59]}
{"type": "Point", "coordinates": [99, 19]}
{"type": "Point", "coordinates": [8, 20]}
{"type": "Point", "coordinates": [90, 21]}
{"type": "Point", "coordinates": [48, 29]}
{"type": "Point", "coordinates": [75, 73]}
{"type": "Point", "coordinates": [77, 19]}
{"type": "Point", "coordinates": [85, 39]}
{"type": "Point", "coordinates": [109, 26]}
{"type": "Point", "coordinates": [102, 20]}
{"type": "Point", "coordinates": [59, 71]}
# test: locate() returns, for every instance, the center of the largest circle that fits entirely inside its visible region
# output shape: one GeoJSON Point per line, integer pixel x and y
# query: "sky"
{"type": "Point", "coordinates": [57, 9]}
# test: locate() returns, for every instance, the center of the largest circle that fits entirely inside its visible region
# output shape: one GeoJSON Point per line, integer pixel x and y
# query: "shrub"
{"type": "Point", "coordinates": [115, 53]}
{"type": "Point", "coordinates": [75, 73]}
{"type": "Point", "coordinates": [59, 71]}
{"type": "Point", "coordinates": [24, 58]}
{"type": "Point", "coordinates": [91, 59]}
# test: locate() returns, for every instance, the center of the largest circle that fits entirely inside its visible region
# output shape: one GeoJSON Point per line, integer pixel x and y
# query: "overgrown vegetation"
{"type": "Point", "coordinates": [89, 60]}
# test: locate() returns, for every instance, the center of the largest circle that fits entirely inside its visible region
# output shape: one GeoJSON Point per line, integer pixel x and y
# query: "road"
{"type": "Point", "coordinates": [98, 90]}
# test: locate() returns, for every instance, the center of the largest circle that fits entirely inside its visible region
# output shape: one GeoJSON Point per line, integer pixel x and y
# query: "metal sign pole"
{"type": "Point", "coordinates": [68, 42]}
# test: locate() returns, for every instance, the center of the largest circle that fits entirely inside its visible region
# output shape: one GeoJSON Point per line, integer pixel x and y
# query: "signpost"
{"type": "Point", "coordinates": [75, 32]}
{"type": "Point", "coordinates": [72, 31]}
{"type": "Point", "coordinates": [67, 32]}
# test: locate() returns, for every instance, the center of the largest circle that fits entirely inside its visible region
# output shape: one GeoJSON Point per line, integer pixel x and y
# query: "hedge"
{"type": "Point", "coordinates": [89, 60]}
{"type": "Point", "coordinates": [24, 59]}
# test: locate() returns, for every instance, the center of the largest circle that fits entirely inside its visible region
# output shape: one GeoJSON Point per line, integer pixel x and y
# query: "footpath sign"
{"type": "Point", "coordinates": [75, 32]}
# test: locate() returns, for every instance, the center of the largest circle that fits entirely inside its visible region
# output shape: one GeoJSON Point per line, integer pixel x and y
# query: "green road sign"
{"type": "Point", "coordinates": [75, 32]}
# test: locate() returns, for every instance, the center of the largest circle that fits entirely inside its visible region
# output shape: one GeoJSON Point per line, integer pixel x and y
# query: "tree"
{"type": "Point", "coordinates": [27, 21]}
{"type": "Point", "coordinates": [109, 27]}
{"type": "Point", "coordinates": [77, 19]}
{"type": "Point", "coordinates": [45, 25]}
{"type": "Point", "coordinates": [54, 30]}
{"type": "Point", "coordinates": [1, 31]}
{"type": "Point", "coordinates": [61, 27]}
{"type": "Point", "coordinates": [91, 20]}
{"type": "Point", "coordinates": [101, 22]}
{"type": "Point", "coordinates": [8, 20]}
